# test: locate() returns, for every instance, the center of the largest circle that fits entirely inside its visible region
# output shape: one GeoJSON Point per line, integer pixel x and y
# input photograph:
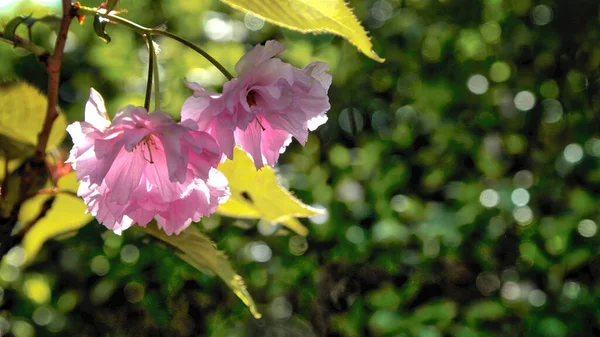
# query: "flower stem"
{"type": "Point", "coordinates": [151, 56]}
{"type": "Point", "coordinates": [196, 49]}
{"type": "Point", "coordinates": [156, 80]}
{"type": "Point", "coordinates": [88, 11]}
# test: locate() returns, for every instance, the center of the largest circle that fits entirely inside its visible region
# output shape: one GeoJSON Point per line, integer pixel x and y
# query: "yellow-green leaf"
{"type": "Point", "coordinates": [201, 253]}
{"type": "Point", "coordinates": [66, 214]}
{"type": "Point", "coordinates": [314, 16]}
{"type": "Point", "coordinates": [22, 113]}
{"type": "Point", "coordinates": [258, 194]}
{"type": "Point", "coordinates": [12, 165]}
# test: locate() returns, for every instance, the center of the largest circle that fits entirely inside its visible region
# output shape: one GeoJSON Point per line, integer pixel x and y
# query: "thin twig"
{"type": "Point", "coordinates": [46, 206]}
{"type": "Point", "coordinates": [18, 42]}
{"type": "Point", "coordinates": [196, 49]}
{"type": "Point", "coordinates": [55, 190]}
{"type": "Point", "coordinates": [83, 11]}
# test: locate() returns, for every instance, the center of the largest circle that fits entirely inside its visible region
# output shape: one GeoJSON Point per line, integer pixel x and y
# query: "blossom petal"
{"type": "Point", "coordinates": [259, 54]}
{"type": "Point", "coordinates": [95, 111]}
{"type": "Point", "coordinates": [250, 141]}
{"type": "Point", "coordinates": [225, 137]}
{"type": "Point", "coordinates": [289, 101]}
{"type": "Point", "coordinates": [146, 166]}
{"type": "Point", "coordinates": [199, 110]}
{"type": "Point", "coordinates": [124, 174]}
{"type": "Point", "coordinates": [273, 143]}
{"type": "Point", "coordinates": [318, 71]}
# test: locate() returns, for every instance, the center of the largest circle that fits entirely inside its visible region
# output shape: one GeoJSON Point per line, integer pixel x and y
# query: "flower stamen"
{"type": "Point", "coordinates": [149, 142]}
{"type": "Point", "coordinates": [259, 123]}
{"type": "Point", "coordinates": [149, 153]}
{"type": "Point", "coordinates": [251, 98]}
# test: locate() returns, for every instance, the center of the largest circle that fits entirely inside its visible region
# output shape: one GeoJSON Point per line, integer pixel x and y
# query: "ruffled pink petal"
{"type": "Point", "coordinates": [146, 166]}
{"type": "Point", "coordinates": [288, 100]}
{"type": "Point", "coordinates": [95, 111]}
{"type": "Point", "coordinates": [205, 157]}
{"type": "Point", "coordinates": [83, 135]}
{"type": "Point", "coordinates": [249, 139]}
{"type": "Point", "coordinates": [258, 55]}
{"type": "Point", "coordinates": [125, 174]}
{"type": "Point", "coordinates": [319, 71]}
{"type": "Point", "coordinates": [272, 71]}
{"type": "Point", "coordinates": [201, 199]}
{"type": "Point", "coordinates": [199, 110]}
{"type": "Point", "coordinates": [273, 143]}
{"type": "Point", "coordinates": [158, 179]}
{"type": "Point", "coordinates": [293, 123]}
{"type": "Point", "coordinates": [169, 145]}
{"type": "Point", "coordinates": [225, 137]}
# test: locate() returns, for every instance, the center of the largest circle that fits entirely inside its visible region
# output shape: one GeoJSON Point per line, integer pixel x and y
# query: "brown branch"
{"type": "Point", "coordinates": [53, 67]}
{"type": "Point", "coordinates": [46, 206]}
{"type": "Point", "coordinates": [35, 172]}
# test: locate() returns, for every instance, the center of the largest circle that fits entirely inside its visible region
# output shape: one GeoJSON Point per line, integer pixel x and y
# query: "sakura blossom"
{"type": "Point", "coordinates": [145, 166]}
{"type": "Point", "coordinates": [260, 110]}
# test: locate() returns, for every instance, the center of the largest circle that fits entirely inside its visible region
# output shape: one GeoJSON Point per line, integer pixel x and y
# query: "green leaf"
{"type": "Point", "coordinates": [22, 118]}
{"type": "Point", "coordinates": [12, 192]}
{"type": "Point", "coordinates": [440, 313]}
{"type": "Point", "coordinates": [99, 26]}
{"type": "Point", "coordinates": [574, 259]}
{"type": "Point", "coordinates": [66, 214]}
{"type": "Point", "coordinates": [201, 253]}
{"type": "Point", "coordinates": [311, 16]}
{"type": "Point", "coordinates": [11, 27]}
{"type": "Point", "coordinates": [485, 310]}
{"type": "Point", "coordinates": [12, 165]}
{"type": "Point", "coordinates": [13, 148]}
{"type": "Point", "coordinates": [258, 195]}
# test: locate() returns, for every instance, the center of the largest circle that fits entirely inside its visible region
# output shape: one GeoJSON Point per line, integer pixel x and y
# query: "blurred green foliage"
{"type": "Point", "coordinates": [461, 179]}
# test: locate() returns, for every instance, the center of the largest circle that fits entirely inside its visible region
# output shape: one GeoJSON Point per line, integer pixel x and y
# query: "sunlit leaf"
{"type": "Point", "coordinates": [258, 195]}
{"type": "Point", "coordinates": [315, 16]}
{"type": "Point", "coordinates": [66, 214]}
{"type": "Point", "coordinates": [22, 113]}
{"type": "Point", "coordinates": [12, 193]}
{"type": "Point", "coordinates": [12, 165]}
{"type": "Point", "coordinates": [201, 253]}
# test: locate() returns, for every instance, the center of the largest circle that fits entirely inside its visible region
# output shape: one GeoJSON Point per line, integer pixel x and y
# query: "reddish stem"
{"type": "Point", "coordinates": [35, 172]}
{"type": "Point", "coordinates": [53, 68]}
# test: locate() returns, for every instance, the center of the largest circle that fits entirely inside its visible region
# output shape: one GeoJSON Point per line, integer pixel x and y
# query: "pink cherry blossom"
{"type": "Point", "coordinates": [269, 102]}
{"type": "Point", "coordinates": [144, 166]}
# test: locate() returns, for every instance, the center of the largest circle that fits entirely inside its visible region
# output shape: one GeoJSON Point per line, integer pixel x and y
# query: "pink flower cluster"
{"type": "Point", "coordinates": [269, 102]}
{"type": "Point", "coordinates": [144, 166]}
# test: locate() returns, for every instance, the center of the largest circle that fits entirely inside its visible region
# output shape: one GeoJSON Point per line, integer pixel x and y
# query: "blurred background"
{"type": "Point", "coordinates": [460, 177]}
